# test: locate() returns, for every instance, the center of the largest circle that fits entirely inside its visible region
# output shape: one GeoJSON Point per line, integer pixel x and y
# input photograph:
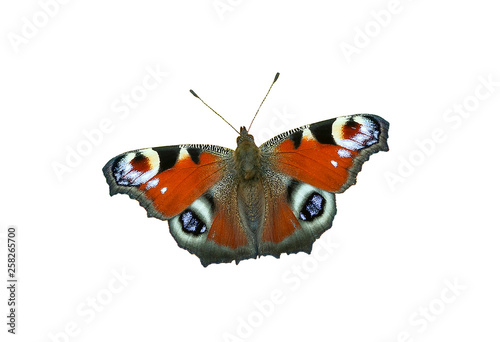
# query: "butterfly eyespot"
{"type": "Point", "coordinates": [313, 207]}
{"type": "Point", "coordinates": [355, 132]}
{"type": "Point", "coordinates": [191, 223]}
{"type": "Point", "coordinates": [135, 168]}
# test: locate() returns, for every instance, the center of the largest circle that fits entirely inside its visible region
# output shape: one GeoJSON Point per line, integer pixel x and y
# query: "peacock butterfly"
{"type": "Point", "coordinates": [225, 205]}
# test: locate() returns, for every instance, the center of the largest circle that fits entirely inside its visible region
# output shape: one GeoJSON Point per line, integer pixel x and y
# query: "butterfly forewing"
{"type": "Point", "coordinates": [328, 154]}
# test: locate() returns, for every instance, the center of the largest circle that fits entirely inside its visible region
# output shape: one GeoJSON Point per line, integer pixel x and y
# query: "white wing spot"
{"type": "Point", "coordinates": [183, 154]}
{"type": "Point", "coordinates": [334, 163]}
{"type": "Point", "coordinates": [144, 177]}
{"type": "Point", "coordinates": [344, 153]}
{"type": "Point", "coordinates": [350, 144]}
{"type": "Point", "coordinates": [307, 135]}
{"type": "Point", "coordinates": [163, 190]}
{"type": "Point", "coordinates": [152, 183]}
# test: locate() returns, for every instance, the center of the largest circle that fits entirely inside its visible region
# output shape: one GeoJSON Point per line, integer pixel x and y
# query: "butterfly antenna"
{"type": "Point", "coordinates": [274, 81]}
{"type": "Point", "coordinates": [199, 98]}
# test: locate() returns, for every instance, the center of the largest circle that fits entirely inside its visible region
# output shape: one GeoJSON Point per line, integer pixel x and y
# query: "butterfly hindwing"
{"type": "Point", "coordinates": [210, 227]}
{"type": "Point", "coordinates": [297, 214]}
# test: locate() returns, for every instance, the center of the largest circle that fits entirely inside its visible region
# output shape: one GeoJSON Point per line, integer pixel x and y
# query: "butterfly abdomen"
{"type": "Point", "coordinates": [251, 204]}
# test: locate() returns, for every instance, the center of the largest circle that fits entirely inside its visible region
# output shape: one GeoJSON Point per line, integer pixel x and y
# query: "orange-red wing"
{"type": "Point", "coordinates": [166, 180]}
{"type": "Point", "coordinates": [226, 228]}
{"type": "Point", "coordinates": [328, 154]}
{"type": "Point", "coordinates": [211, 228]}
{"type": "Point", "coordinates": [280, 222]}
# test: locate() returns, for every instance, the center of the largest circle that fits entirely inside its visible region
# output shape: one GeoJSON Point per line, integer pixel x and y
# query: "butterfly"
{"type": "Point", "coordinates": [224, 205]}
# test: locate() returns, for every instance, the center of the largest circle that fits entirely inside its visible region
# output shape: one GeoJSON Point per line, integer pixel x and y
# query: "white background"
{"type": "Point", "coordinates": [413, 224]}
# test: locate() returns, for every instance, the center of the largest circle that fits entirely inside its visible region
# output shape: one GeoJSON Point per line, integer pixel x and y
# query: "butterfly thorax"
{"type": "Point", "coordinates": [247, 157]}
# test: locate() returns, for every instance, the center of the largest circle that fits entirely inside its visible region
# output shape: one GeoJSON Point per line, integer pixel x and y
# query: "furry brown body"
{"type": "Point", "coordinates": [250, 192]}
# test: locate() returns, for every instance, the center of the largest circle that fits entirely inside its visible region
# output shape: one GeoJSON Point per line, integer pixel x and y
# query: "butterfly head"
{"type": "Point", "coordinates": [247, 156]}
{"type": "Point", "coordinates": [244, 136]}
